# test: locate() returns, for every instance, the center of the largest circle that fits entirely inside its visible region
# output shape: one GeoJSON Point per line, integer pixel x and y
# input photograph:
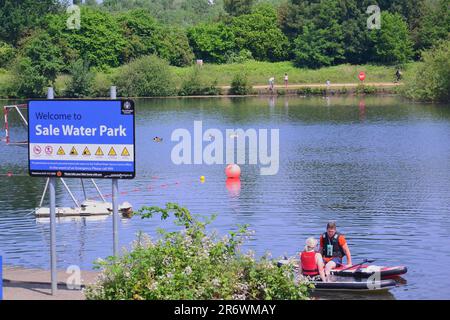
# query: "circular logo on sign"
{"type": "Point", "coordinates": [37, 150]}
{"type": "Point", "coordinates": [59, 174]}
{"type": "Point", "coordinates": [48, 150]}
{"type": "Point", "coordinates": [127, 105]}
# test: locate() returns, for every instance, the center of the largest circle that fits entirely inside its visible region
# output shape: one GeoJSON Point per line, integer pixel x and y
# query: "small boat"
{"type": "Point", "coordinates": [362, 271]}
{"type": "Point", "coordinates": [88, 208]}
{"type": "Point", "coordinates": [359, 286]}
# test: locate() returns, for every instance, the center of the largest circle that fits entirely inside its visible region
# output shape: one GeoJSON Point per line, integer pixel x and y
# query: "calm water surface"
{"type": "Point", "coordinates": [380, 166]}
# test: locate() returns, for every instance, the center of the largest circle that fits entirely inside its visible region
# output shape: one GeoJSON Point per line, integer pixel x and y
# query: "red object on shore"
{"type": "Point", "coordinates": [362, 76]}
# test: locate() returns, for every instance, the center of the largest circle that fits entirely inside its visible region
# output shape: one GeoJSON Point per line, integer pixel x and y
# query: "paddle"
{"type": "Point", "coordinates": [356, 265]}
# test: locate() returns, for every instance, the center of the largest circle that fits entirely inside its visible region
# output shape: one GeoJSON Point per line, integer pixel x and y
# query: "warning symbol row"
{"type": "Point", "coordinates": [86, 152]}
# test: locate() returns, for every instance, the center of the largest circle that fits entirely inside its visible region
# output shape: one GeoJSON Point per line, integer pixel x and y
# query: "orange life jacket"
{"type": "Point", "coordinates": [309, 264]}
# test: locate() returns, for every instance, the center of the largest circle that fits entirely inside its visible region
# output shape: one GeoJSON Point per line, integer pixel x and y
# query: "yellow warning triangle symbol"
{"type": "Point", "coordinates": [125, 153]}
{"type": "Point", "coordinates": [112, 152]}
{"type": "Point", "coordinates": [61, 152]}
{"type": "Point", "coordinates": [73, 152]}
{"type": "Point", "coordinates": [99, 152]}
{"type": "Point", "coordinates": [86, 152]}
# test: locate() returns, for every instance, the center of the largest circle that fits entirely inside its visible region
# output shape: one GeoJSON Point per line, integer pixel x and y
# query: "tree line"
{"type": "Point", "coordinates": [35, 40]}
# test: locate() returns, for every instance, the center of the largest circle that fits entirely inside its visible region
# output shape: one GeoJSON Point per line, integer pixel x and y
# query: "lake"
{"type": "Point", "coordinates": [379, 166]}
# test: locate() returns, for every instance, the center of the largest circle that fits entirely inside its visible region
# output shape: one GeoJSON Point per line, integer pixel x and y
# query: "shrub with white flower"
{"type": "Point", "coordinates": [192, 264]}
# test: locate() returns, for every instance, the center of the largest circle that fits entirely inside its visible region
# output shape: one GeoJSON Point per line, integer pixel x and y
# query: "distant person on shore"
{"type": "Point", "coordinates": [398, 75]}
{"type": "Point", "coordinates": [311, 261]}
{"type": "Point", "coordinates": [333, 247]}
{"type": "Point", "coordinates": [286, 80]}
{"type": "Point", "coordinates": [271, 83]}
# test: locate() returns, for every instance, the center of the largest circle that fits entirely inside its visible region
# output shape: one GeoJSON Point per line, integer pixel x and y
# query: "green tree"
{"type": "Point", "coordinates": [28, 80]}
{"type": "Point", "coordinates": [44, 54]}
{"type": "Point", "coordinates": [146, 36]}
{"type": "Point", "coordinates": [391, 43]}
{"type": "Point", "coordinates": [238, 7]}
{"type": "Point", "coordinates": [212, 42]}
{"type": "Point", "coordinates": [147, 76]}
{"type": "Point", "coordinates": [18, 18]}
{"type": "Point", "coordinates": [431, 81]}
{"type": "Point", "coordinates": [314, 48]}
{"type": "Point", "coordinates": [259, 33]}
{"type": "Point", "coordinates": [100, 39]}
{"type": "Point", "coordinates": [435, 24]}
{"type": "Point", "coordinates": [81, 80]}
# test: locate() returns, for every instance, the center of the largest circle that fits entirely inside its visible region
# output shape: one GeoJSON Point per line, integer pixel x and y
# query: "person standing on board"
{"type": "Point", "coordinates": [311, 261]}
{"type": "Point", "coordinates": [286, 80]}
{"type": "Point", "coordinates": [333, 247]}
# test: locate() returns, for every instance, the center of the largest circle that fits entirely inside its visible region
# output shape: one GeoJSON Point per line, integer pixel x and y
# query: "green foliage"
{"type": "Point", "coordinates": [192, 264]}
{"type": "Point", "coordinates": [255, 32]}
{"type": "Point", "coordinates": [145, 36]}
{"type": "Point", "coordinates": [435, 24]}
{"type": "Point", "coordinates": [99, 40]}
{"type": "Point", "coordinates": [391, 43]}
{"type": "Point", "coordinates": [238, 7]}
{"type": "Point", "coordinates": [18, 18]}
{"type": "Point", "coordinates": [7, 53]}
{"type": "Point", "coordinates": [240, 85]}
{"type": "Point", "coordinates": [147, 76]}
{"type": "Point", "coordinates": [212, 42]}
{"type": "Point", "coordinates": [44, 54]}
{"type": "Point", "coordinates": [81, 80]}
{"type": "Point", "coordinates": [101, 84]}
{"type": "Point", "coordinates": [315, 48]}
{"type": "Point", "coordinates": [194, 86]}
{"type": "Point", "coordinates": [173, 45]}
{"type": "Point", "coordinates": [259, 33]}
{"type": "Point", "coordinates": [28, 81]}
{"type": "Point", "coordinates": [239, 57]}
{"type": "Point", "coordinates": [431, 81]}
{"type": "Point", "coordinates": [364, 89]}
{"type": "Point", "coordinates": [321, 41]}
{"type": "Point", "coordinates": [171, 12]}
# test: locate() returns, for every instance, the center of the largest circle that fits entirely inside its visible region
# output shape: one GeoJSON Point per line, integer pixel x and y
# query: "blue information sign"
{"type": "Point", "coordinates": [81, 138]}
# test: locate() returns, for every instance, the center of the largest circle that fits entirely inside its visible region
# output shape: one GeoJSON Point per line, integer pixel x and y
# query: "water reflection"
{"type": "Point", "coordinates": [379, 166]}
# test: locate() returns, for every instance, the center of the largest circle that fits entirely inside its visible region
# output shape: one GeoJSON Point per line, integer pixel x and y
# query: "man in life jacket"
{"type": "Point", "coordinates": [333, 247]}
{"type": "Point", "coordinates": [311, 262]}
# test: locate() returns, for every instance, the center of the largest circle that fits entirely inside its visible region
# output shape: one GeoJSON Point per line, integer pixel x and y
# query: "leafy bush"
{"type": "Point", "coordinates": [6, 54]}
{"type": "Point", "coordinates": [81, 80]}
{"type": "Point", "coordinates": [28, 81]}
{"type": "Point", "coordinates": [363, 89]}
{"type": "Point", "coordinates": [239, 57]}
{"type": "Point", "coordinates": [240, 85]}
{"type": "Point", "coordinates": [193, 264]}
{"type": "Point", "coordinates": [431, 81]}
{"type": "Point", "coordinates": [101, 84]}
{"type": "Point", "coordinates": [147, 76]}
{"type": "Point", "coordinates": [311, 91]}
{"type": "Point", "coordinates": [193, 85]}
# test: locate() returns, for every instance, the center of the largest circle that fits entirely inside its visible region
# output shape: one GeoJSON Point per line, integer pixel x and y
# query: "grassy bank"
{"type": "Point", "coordinates": [257, 73]}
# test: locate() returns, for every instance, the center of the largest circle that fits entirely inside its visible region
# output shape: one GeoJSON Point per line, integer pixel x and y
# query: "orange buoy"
{"type": "Point", "coordinates": [233, 171]}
